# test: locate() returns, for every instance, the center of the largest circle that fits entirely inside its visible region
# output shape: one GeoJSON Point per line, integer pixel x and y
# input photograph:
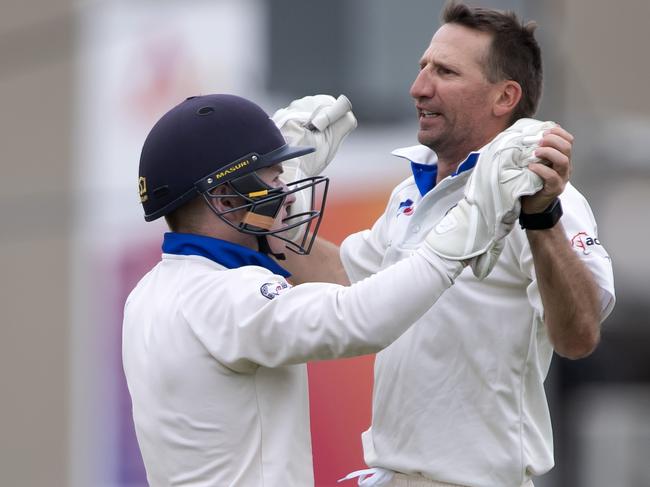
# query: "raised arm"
{"type": "Point", "coordinates": [569, 293]}
{"type": "Point", "coordinates": [571, 298]}
{"type": "Point", "coordinates": [322, 122]}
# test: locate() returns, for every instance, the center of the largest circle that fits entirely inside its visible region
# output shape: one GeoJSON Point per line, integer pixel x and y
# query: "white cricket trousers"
{"type": "Point", "coordinates": [401, 480]}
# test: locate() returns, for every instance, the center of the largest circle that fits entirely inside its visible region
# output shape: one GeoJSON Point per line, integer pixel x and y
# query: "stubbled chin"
{"type": "Point", "coordinates": [427, 137]}
{"type": "Point", "coordinates": [431, 128]}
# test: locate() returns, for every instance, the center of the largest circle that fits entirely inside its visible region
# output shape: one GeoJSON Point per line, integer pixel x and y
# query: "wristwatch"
{"type": "Point", "coordinates": [541, 221]}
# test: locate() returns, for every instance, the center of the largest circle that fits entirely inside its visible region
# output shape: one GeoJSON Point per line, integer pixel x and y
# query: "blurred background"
{"type": "Point", "coordinates": [81, 83]}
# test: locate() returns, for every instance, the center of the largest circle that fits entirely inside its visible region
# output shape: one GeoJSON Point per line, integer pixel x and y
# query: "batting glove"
{"type": "Point", "coordinates": [318, 121]}
{"type": "Point", "coordinates": [474, 229]}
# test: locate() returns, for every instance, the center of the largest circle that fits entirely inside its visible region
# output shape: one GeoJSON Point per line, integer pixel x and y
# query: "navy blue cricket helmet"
{"type": "Point", "coordinates": [207, 141]}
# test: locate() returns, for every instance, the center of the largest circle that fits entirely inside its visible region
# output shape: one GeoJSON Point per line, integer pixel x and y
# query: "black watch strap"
{"type": "Point", "coordinates": [541, 221]}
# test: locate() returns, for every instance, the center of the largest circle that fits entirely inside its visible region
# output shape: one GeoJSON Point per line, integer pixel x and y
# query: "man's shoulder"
{"type": "Point", "coordinates": [196, 270]}
{"type": "Point", "coordinates": [190, 264]}
{"type": "Point", "coordinates": [204, 283]}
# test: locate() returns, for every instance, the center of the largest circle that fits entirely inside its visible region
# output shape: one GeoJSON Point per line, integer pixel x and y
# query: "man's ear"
{"type": "Point", "coordinates": [507, 98]}
{"type": "Point", "coordinates": [224, 203]}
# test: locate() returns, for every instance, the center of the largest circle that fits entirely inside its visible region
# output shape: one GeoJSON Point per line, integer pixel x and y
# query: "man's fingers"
{"type": "Point", "coordinates": [557, 130]}
{"type": "Point", "coordinates": [557, 142]}
{"type": "Point", "coordinates": [553, 186]}
{"type": "Point", "coordinates": [554, 183]}
{"type": "Point", "coordinates": [330, 114]}
{"type": "Point", "coordinates": [555, 160]}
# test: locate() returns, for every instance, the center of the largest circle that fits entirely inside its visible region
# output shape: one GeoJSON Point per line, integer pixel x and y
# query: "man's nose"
{"type": "Point", "coordinates": [423, 86]}
{"type": "Point", "coordinates": [290, 198]}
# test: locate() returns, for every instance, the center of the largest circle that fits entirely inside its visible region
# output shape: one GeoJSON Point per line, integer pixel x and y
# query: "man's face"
{"type": "Point", "coordinates": [272, 176]}
{"type": "Point", "coordinates": [452, 95]}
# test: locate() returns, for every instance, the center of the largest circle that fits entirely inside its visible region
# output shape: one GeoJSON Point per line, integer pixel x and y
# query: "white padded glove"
{"type": "Point", "coordinates": [474, 229]}
{"type": "Point", "coordinates": [318, 121]}
{"type": "Point", "coordinates": [292, 172]}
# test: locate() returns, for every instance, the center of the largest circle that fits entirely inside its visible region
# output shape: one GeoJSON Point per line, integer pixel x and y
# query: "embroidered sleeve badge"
{"type": "Point", "coordinates": [272, 289]}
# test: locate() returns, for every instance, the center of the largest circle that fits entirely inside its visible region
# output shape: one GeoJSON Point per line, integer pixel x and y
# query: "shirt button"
{"type": "Point", "coordinates": [416, 228]}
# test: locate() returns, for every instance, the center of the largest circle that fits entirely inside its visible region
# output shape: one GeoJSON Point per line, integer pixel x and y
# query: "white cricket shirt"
{"type": "Point", "coordinates": [214, 357]}
{"type": "Point", "coordinates": [459, 397]}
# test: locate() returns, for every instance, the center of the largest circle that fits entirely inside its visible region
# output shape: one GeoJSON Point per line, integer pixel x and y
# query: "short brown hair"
{"type": "Point", "coordinates": [186, 218]}
{"type": "Point", "coordinates": [514, 53]}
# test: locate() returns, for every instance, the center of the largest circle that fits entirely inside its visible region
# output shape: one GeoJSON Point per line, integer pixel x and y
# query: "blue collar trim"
{"type": "Point", "coordinates": [425, 174]}
{"type": "Point", "coordinates": [227, 254]}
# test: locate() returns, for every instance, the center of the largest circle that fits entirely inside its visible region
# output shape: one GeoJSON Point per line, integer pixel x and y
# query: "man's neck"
{"type": "Point", "coordinates": [445, 169]}
{"type": "Point", "coordinates": [448, 162]}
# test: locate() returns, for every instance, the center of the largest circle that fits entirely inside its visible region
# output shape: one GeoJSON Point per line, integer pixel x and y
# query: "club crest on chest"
{"type": "Point", "coordinates": [406, 208]}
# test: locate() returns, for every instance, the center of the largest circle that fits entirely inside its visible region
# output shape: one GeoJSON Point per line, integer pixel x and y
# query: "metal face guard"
{"type": "Point", "coordinates": [262, 204]}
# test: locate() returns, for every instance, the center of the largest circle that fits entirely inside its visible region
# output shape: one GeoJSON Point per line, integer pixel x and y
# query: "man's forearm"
{"type": "Point", "coordinates": [569, 293]}
{"type": "Point", "coordinates": [323, 264]}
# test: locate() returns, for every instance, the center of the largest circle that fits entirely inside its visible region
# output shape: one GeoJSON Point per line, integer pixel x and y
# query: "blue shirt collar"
{"type": "Point", "coordinates": [425, 174]}
{"type": "Point", "coordinates": [228, 254]}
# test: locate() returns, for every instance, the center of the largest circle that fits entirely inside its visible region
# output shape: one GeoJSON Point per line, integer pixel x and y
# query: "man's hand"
{"type": "Point", "coordinates": [554, 169]}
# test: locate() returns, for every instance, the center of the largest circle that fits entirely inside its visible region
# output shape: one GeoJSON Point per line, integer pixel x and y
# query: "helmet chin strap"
{"type": "Point", "coordinates": [265, 248]}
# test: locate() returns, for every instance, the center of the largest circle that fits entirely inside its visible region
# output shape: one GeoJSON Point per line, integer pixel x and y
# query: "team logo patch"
{"type": "Point", "coordinates": [584, 242]}
{"type": "Point", "coordinates": [405, 208]}
{"type": "Point", "coordinates": [272, 289]}
{"type": "Point", "coordinates": [142, 189]}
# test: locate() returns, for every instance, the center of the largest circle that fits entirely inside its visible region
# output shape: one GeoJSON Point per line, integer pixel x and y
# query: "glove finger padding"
{"type": "Point", "coordinates": [291, 171]}
{"type": "Point", "coordinates": [483, 264]}
{"type": "Point", "coordinates": [474, 229]}
{"type": "Point", "coordinates": [302, 109]}
{"type": "Point", "coordinates": [334, 119]}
